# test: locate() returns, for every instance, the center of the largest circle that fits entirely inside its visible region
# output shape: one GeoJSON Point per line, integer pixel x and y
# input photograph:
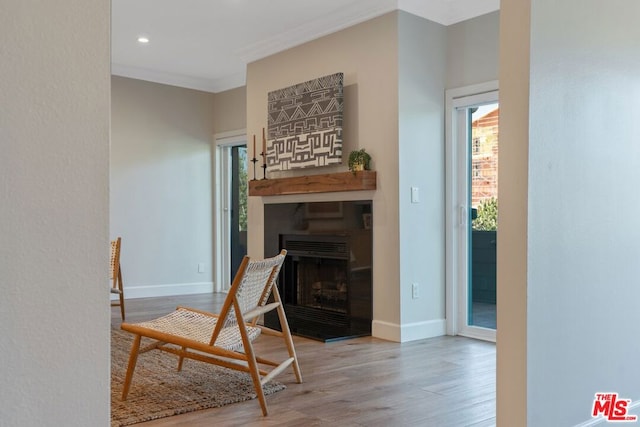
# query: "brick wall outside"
{"type": "Point", "coordinates": [484, 158]}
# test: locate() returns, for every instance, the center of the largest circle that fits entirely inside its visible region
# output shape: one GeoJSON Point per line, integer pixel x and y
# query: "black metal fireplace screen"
{"type": "Point", "coordinates": [326, 293]}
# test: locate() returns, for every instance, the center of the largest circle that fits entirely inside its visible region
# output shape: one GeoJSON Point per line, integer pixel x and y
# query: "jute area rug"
{"type": "Point", "coordinates": [158, 390]}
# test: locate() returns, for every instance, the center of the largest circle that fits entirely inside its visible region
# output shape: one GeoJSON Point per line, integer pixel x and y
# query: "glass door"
{"type": "Point", "coordinates": [473, 195]}
{"type": "Point", "coordinates": [238, 206]}
{"type": "Point", "coordinates": [483, 199]}
{"type": "Point", "coordinates": [231, 191]}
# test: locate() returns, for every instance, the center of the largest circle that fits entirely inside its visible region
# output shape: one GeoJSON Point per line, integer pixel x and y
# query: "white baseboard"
{"type": "Point", "coordinates": [408, 332]}
{"type": "Point", "coordinates": [149, 291]}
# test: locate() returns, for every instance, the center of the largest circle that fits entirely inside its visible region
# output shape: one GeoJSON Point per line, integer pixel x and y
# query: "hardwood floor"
{"type": "Point", "coordinates": [443, 381]}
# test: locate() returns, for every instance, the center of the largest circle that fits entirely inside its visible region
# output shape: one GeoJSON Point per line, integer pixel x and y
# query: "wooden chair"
{"type": "Point", "coordinates": [224, 339]}
{"type": "Point", "coordinates": [116, 276]}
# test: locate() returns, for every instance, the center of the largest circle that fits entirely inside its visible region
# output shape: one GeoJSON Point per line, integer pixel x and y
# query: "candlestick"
{"type": "Point", "coordinates": [264, 155]}
{"type": "Point", "coordinates": [254, 161]}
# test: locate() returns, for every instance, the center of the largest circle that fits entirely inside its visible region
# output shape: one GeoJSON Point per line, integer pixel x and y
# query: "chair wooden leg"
{"type": "Point", "coordinates": [122, 306]}
{"type": "Point", "coordinates": [120, 285]}
{"type": "Point", "coordinates": [253, 369]}
{"type": "Point", "coordinates": [181, 359]}
{"type": "Point", "coordinates": [133, 359]}
{"type": "Point", "coordinates": [286, 335]}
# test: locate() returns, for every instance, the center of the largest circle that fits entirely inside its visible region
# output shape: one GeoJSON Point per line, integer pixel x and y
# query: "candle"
{"type": "Point", "coordinates": [254, 146]}
{"type": "Point", "coordinates": [264, 143]}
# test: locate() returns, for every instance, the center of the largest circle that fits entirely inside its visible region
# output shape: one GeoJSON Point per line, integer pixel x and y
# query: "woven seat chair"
{"type": "Point", "coordinates": [116, 276]}
{"type": "Point", "coordinates": [224, 339]}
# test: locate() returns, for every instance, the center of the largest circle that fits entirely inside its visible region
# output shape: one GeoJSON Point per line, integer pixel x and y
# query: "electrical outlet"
{"type": "Point", "coordinates": [415, 291]}
{"type": "Point", "coordinates": [201, 267]}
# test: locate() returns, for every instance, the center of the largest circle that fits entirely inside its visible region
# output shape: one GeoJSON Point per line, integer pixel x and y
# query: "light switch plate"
{"type": "Point", "coordinates": [415, 195]}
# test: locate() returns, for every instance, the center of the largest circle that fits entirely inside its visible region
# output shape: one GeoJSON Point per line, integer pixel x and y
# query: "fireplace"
{"type": "Point", "coordinates": [325, 282]}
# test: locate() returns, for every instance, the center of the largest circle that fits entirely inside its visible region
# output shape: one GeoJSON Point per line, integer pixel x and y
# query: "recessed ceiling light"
{"type": "Point", "coordinates": [143, 39]}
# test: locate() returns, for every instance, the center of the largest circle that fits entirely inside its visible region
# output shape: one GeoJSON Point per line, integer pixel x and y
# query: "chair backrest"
{"type": "Point", "coordinates": [251, 288]}
{"type": "Point", "coordinates": [115, 260]}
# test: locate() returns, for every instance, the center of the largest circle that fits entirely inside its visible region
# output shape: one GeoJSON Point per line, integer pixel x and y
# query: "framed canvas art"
{"type": "Point", "coordinates": [305, 124]}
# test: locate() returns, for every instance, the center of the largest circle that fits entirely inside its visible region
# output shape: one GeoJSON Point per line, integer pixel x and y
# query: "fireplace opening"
{"type": "Point", "coordinates": [322, 283]}
{"type": "Point", "coordinates": [325, 282]}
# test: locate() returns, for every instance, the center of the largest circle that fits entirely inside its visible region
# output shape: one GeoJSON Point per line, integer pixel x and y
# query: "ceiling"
{"type": "Point", "coordinates": [206, 44]}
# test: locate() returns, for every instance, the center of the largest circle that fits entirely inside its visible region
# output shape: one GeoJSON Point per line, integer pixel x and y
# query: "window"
{"type": "Point", "coordinates": [476, 171]}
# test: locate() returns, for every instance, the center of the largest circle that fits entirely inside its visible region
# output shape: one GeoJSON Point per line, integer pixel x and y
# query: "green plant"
{"type": "Point", "coordinates": [359, 157]}
{"type": "Point", "coordinates": [487, 219]}
{"type": "Point", "coordinates": [243, 189]}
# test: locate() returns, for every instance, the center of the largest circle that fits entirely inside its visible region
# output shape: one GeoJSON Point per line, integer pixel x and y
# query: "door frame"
{"type": "Point", "coordinates": [222, 200]}
{"type": "Point", "coordinates": [456, 250]}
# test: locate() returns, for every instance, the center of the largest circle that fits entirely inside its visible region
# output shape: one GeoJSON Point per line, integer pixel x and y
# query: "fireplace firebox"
{"type": "Point", "coordinates": [325, 285]}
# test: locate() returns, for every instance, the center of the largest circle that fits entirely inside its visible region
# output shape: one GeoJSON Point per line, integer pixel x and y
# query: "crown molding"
{"type": "Point", "coordinates": [447, 12]}
{"type": "Point", "coordinates": [189, 82]}
{"type": "Point", "coordinates": [344, 18]}
{"type": "Point", "coordinates": [443, 12]}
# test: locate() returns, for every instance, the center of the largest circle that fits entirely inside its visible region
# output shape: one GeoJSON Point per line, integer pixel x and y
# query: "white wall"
{"type": "Point", "coordinates": [422, 65]}
{"type": "Point", "coordinates": [230, 110]}
{"type": "Point", "coordinates": [472, 51]}
{"type": "Point", "coordinates": [54, 170]}
{"type": "Point", "coordinates": [583, 183]}
{"type": "Point", "coordinates": [161, 187]}
{"type": "Point", "coordinates": [582, 290]}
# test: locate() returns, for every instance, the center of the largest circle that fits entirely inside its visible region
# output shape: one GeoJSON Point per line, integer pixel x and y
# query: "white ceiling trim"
{"type": "Point", "coordinates": [180, 80]}
{"type": "Point", "coordinates": [449, 12]}
{"type": "Point", "coordinates": [343, 18]}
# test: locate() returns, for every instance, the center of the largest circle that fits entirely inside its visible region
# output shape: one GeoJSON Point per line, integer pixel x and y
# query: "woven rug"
{"type": "Point", "coordinates": [158, 390]}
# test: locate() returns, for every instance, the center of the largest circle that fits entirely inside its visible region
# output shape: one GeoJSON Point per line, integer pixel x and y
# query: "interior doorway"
{"type": "Point", "coordinates": [231, 188]}
{"type": "Point", "coordinates": [472, 192]}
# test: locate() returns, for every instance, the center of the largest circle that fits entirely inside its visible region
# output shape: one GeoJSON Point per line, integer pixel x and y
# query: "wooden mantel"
{"type": "Point", "coordinates": [342, 181]}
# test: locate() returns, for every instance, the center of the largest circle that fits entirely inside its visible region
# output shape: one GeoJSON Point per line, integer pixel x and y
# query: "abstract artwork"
{"type": "Point", "coordinates": [305, 124]}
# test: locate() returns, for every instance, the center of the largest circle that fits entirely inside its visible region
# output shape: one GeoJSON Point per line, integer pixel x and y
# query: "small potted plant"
{"type": "Point", "coordinates": [359, 160]}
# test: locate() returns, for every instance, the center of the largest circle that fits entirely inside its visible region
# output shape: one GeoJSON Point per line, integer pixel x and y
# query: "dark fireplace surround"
{"type": "Point", "coordinates": [325, 282]}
